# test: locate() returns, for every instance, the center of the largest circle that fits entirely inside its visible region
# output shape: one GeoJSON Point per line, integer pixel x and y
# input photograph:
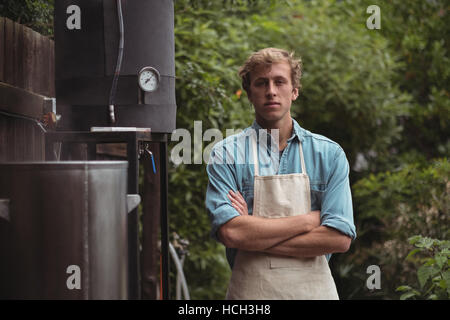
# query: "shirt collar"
{"type": "Point", "coordinates": [297, 132]}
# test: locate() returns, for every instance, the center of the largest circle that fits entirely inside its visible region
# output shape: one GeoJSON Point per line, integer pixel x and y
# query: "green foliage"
{"type": "Point", "coordinates": [433, 275]}
{"type": "Point", "coordinates": [418, 196]}
{"type": "Point", "coordinates": [35, 14]}
{"type": "Point", "coordinates": [348, 74]}
{"type": "Point", "coordinates": [391, 206]}
{"type": "Point", "coordinates": [416, 30]}
{"type": "Point", "coordinates": [415, 36]}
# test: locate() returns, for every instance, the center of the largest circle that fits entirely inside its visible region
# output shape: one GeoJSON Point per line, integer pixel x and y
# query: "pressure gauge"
{"type": "Point", "coordinates": [148, 79]}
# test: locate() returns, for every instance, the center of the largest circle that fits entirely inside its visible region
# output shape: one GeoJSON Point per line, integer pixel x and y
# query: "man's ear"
{"type": "Point", "coordinates": [294, 94]}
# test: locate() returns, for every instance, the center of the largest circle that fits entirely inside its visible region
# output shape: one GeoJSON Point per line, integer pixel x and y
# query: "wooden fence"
{"type": "Point", "coordinates": [26, 58]}
{"type": "Point", "coordinates": [27, 71]}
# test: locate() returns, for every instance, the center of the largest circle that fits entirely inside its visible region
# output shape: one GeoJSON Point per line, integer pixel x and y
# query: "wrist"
{"type": "Point", "coordinates": [305, 223]}
{"type": "Point", "coordinates": [312, 221]}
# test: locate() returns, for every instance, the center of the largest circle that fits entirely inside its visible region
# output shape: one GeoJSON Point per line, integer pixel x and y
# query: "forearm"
{"type": "Point", "coordinates": [319, 241]}
{"type": "Point", "coordinates": [253, 233]}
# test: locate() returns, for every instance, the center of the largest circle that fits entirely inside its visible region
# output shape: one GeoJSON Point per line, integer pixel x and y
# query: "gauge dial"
{"type": "Point", "coordinates": [148, 79]}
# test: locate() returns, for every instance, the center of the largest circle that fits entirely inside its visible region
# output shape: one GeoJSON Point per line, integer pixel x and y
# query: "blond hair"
{"type": "Point", "coordinates": [267, 57]}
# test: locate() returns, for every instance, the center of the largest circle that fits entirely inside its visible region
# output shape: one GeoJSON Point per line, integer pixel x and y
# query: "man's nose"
{"type": "Point", "coordinates": [270, 89]}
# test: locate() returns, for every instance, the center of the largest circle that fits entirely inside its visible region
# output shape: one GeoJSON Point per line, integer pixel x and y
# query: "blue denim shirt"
{"type": "Point", "coordinates": [230, 166]}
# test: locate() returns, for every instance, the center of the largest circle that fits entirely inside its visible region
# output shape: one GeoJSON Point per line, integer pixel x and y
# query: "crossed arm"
{"type": "Point", "coordinates": [297, 236]}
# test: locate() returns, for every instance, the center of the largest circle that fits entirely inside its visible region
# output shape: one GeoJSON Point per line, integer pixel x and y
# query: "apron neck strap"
{"type": "Point", "coordinates": [256, 159]}
{"type": "Point", "coordinates": [255, 154]}
{"type": "Point", "coordinates": [302, 160]}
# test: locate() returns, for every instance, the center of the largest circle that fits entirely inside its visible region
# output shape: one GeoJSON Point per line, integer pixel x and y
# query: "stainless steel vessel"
{"type": "Point", "coordinates": [63, 230]}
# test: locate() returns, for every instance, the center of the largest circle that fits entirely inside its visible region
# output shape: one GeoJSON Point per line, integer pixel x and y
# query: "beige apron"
{"type": "Point", "coordinates": [258, 275]}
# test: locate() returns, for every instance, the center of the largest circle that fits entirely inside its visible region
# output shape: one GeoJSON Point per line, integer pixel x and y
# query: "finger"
{"type": "Point", "coordinates": [237, 206]}
{"type": "Point", "coordinates": [238, 209]}
{"type": "Point", "coordinates": [241, 199]}
{"type": "Point", "coordinates": [232, 193]}
{"type": "Point", "coordinates": [237, 195]}
{"type": "Point", "coordinates": [234, 202]}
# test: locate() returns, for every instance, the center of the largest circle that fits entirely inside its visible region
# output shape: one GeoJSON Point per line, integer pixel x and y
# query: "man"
{"type": "Point", "coordinates": [278, 195]}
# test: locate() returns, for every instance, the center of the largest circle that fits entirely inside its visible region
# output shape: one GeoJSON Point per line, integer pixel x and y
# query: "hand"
{"type": "Point", "coordinates": [238, 202]}
{"type": "Point", "coordinates": [314, 219]}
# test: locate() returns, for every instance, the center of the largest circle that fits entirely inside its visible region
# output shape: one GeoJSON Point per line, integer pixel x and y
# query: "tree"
{"type": "Point", "coordinates": [35, 14]}
{"type": "Point", "coordinates": [392, 207]}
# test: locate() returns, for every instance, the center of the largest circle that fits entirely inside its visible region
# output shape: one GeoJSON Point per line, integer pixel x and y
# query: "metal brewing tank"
{"type": "Point", "coordinates": [63, 230]}
{"type": "Point", "coordinates": [86, 59]}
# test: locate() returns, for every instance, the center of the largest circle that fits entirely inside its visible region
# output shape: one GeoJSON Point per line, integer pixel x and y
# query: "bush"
{"type": "Point", "coordinates": [392, 206]}
{"type": "Point", "coordinates": [433, 276]}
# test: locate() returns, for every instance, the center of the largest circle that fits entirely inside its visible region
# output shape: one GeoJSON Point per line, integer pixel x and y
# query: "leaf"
{"type": "Point", "coordinates": [408, 295]}
{"type": "Point", "coordinates": [414, 239]}
{"type": "Point", "coordinates": [446, 277]}
{"type": "Point", "coordinates": [403, 288]}
{"type": "Point", "coordinates": [413, 252]}
{"type": "Point", "coordinates": [425, 243]}
{"type": "Point", "coordinates": [442, 284]}
{"type": "Point", "coordinates": [423, 274]}
{"type": "Point", "coordinates": [440, 259]}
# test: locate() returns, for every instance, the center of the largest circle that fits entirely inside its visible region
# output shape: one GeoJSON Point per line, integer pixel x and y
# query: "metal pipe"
{"type": "Point", "coordinates": [164, 164]}
{"type": "Point", "coordinates": [118, 65]}
{"type": "Point", "coordinates": [180, 271]}
{"type": "Point", "coordinates": [178, 286]}
{"type": "Point", "coordinates": [39, 124]}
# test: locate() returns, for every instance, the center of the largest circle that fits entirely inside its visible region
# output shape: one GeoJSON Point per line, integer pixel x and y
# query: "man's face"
{"type": "Point", "coordinates": [271, 93]}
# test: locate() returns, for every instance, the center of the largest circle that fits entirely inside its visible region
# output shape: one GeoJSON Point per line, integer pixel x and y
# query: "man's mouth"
{"type": "Point", "coordinates": [272, 104]}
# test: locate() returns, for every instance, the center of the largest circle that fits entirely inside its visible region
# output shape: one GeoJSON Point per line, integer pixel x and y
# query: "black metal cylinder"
{"type": "Point", "coordinates": [63, 230]}
{"type": "Point", "coordinates": [86, 51]}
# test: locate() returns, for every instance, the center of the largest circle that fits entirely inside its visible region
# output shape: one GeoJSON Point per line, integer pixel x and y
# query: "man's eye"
{"type": "Point", "coordinates": [280, 82]}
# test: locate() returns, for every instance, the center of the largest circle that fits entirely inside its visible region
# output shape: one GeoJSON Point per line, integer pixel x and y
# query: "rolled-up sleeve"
{"type": "Point", "coordinates": [337, 207]}
{"type": "Point", "coordinates": [221, 180]}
